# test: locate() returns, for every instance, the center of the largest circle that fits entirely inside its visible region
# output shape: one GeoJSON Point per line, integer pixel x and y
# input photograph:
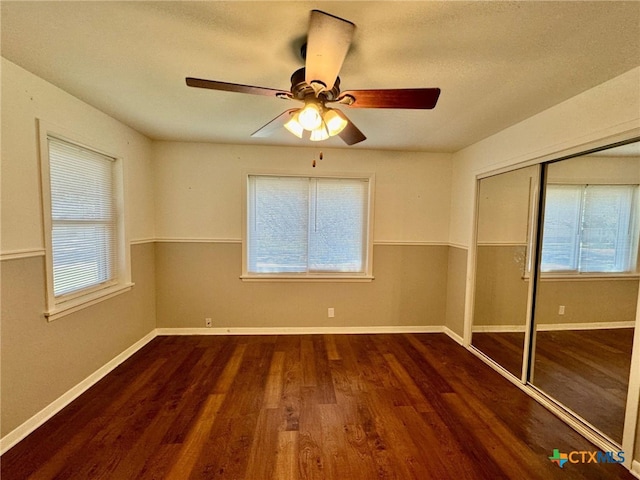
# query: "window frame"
{"type": "Point", "coordinates": [576, 273]}
{"type": "Point", "coordinates": [65, 304]}
{"type": "Point", "coordinates": [367, 274]}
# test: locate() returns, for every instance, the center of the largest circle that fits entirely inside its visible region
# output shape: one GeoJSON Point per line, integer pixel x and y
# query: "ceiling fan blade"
{"type": "Point", "coordinates": [416, 98]}
{"type": "Point", "coordinates": [275, 124]}
{"type": "Point", "coordinates": [328, 42]}
{"type": "Point", "coordinates": [236, 87]}
{"type": "Point", "coordinates": [350, 134]}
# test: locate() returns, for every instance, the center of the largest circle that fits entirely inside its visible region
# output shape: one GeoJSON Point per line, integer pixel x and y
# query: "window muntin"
{"type": "Point", "coordinates": [307, 226]}
{"type": "Point", "coordinates": [590, 229]}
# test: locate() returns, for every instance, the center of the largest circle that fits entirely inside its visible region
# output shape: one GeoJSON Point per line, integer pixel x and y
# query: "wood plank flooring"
{"type": "Point", "coordinates": [586, 370]}
{"type": "Point", "coordinates": [344, 407]}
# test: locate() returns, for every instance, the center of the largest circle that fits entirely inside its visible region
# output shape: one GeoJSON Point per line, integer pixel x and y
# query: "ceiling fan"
{"type": "Point", "coordinates": [317, 85]}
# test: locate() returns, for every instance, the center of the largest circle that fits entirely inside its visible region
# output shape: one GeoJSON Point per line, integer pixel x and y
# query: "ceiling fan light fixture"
{"type": "Point", "coordinates": [293, 125]}
{"type": "Point", "coordinates": [320, 133]}
{"type": "Point", "coordinates": [335, 123]}
{"type": "Point", "coordinates": [310, 116]}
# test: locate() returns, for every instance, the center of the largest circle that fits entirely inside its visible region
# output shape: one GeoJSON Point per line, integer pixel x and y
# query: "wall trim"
{"type": "Point", "coordinates": [141, 241]}
{"type": "Point", "coordinates": [23, 253]}
{"type": "Point", "coordinates": [239, 240]}
{"type": "Point", "coordinates": [585, 326]}
{"type": "Point", "coordinates": [635, 469]}
{"type": "Point", "coordinates": [410, 243]}
{"type": "Point", "coordinates": [551, 327]}
{"type": "Point", "coordinates": [20, 432]}
{"type": "Point", "coordinates": [453, 336]}
{"type": "Point", "coordinates": [502, 244]}
{"type": "Point", "coordinates": [196, 240]}
{"type": "Point", "coordinates": [301, 330]}
{"type": "Point", "coordinates": [40, 252]}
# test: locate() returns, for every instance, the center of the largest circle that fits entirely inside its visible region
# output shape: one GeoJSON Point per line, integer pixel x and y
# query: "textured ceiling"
{"type": "Point", "coordinates": [497, 63]}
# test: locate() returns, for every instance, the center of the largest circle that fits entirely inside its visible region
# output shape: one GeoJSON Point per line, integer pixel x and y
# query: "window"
{"type": "Point", "coordinates": [590, 229]}
{"type": "Point", "coordinates": [83, 226]}
{"type": "Point", "coordinates": [307, 227]}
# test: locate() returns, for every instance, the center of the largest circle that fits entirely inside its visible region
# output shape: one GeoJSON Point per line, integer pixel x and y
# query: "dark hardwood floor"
{"type": "Point", "coordinates": [505, 348]}
{"type": "Point", "coordinates": [344, 407]}
{"type": "Point", "coordinates": [586, 370]}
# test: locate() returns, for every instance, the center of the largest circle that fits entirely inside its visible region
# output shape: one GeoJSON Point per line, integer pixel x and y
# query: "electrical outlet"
{"type": "Point", "coordinates": [561, 310]}
{"type": "Point", "coordinates": [208, 323]}
{"type": "Point", "coordinates": [331, 312]}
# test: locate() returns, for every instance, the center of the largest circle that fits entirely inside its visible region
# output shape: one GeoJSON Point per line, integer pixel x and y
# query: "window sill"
{"type": "Point", "coordinates": [71, 306]}
{"type": "Point", "coordinates": [307, 278]}
{"type": "Point", "coordinates": [586, 277]}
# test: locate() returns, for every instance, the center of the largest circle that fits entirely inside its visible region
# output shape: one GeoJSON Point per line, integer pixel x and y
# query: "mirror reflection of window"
{"type": "Point", "coordinates": [590, 228]}
{"type": "Point", "coordinates": [586, 295]}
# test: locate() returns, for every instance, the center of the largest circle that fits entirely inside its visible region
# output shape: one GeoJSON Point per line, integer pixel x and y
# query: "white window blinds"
{"type": "Point", "coordinates": [590, 228]}
{"type": "Point", "coordinates": [307, 225]}
{"type": "Point", "coordinates": [83, 217]}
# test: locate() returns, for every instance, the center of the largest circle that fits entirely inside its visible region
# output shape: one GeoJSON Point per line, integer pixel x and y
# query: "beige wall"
{"type": "Point", "coordinates": [456, 284]}
{"type": "Point", "coordinates": [199, 187]}
{"type": "Point", "coordinates": [500, 298]}
{"type": "Point", "coordinates": [588, 301]}
{"type": "Point", "coordinates": [41, 360]}
{"type": "Point", "coordinates": [501, 294]}
{"type": "Point", "coordinates": [504, 202]}
{"type": "Point", "coordinates": [595, 169]}
{"type": "Point", "coordinates": [199, 210]}
{"type": "Point", "coordinates": [199, 280]}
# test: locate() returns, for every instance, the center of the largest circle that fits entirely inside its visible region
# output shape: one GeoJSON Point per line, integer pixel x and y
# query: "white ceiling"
{"type": "Point", "coordinates": [497, 63]}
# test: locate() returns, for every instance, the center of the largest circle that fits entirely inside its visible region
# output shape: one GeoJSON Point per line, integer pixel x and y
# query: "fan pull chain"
{"type": "Point", "coordinates": [313, 164]}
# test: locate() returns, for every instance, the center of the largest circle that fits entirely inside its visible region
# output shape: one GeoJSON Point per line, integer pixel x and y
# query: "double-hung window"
{"type": "Point", "coordinates": [83, 226]}
{"type": "Point", "coordinates": [308, 227]}
{"type": "Point", "coordinates": [590, 229]}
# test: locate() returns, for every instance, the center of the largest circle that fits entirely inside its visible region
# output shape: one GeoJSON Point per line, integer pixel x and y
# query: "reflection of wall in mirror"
{"type": "Point", "coordinates": [504, 203]}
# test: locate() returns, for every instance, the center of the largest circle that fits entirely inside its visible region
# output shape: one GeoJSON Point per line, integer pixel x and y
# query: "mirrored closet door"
{"type": "Point", "coordinates": [556, 279]}
{"type": "Point", "coordinates": [587, 287]}
{"type": "Point", "coordinates": [503, 264]}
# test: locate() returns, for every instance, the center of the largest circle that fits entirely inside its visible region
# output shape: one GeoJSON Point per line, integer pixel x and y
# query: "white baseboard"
{"type": "Point", "coordinates": [635, 469]}
{"type": "Point", "coordinates": [498, 329]}
{"type": "Point", "coordinates": [585, 326]}
{"type": "Point", "coordinates": [13, 437]}
{"type": "Point", "coordinates": [453, 335]}
{"type": "Point", "coordinates": [298, 330]}
{"type": "Point", "coordinates": [550, 327]}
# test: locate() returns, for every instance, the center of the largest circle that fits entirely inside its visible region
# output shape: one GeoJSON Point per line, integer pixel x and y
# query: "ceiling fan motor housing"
{"type": "Point", "coordinates": [300, 89]}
